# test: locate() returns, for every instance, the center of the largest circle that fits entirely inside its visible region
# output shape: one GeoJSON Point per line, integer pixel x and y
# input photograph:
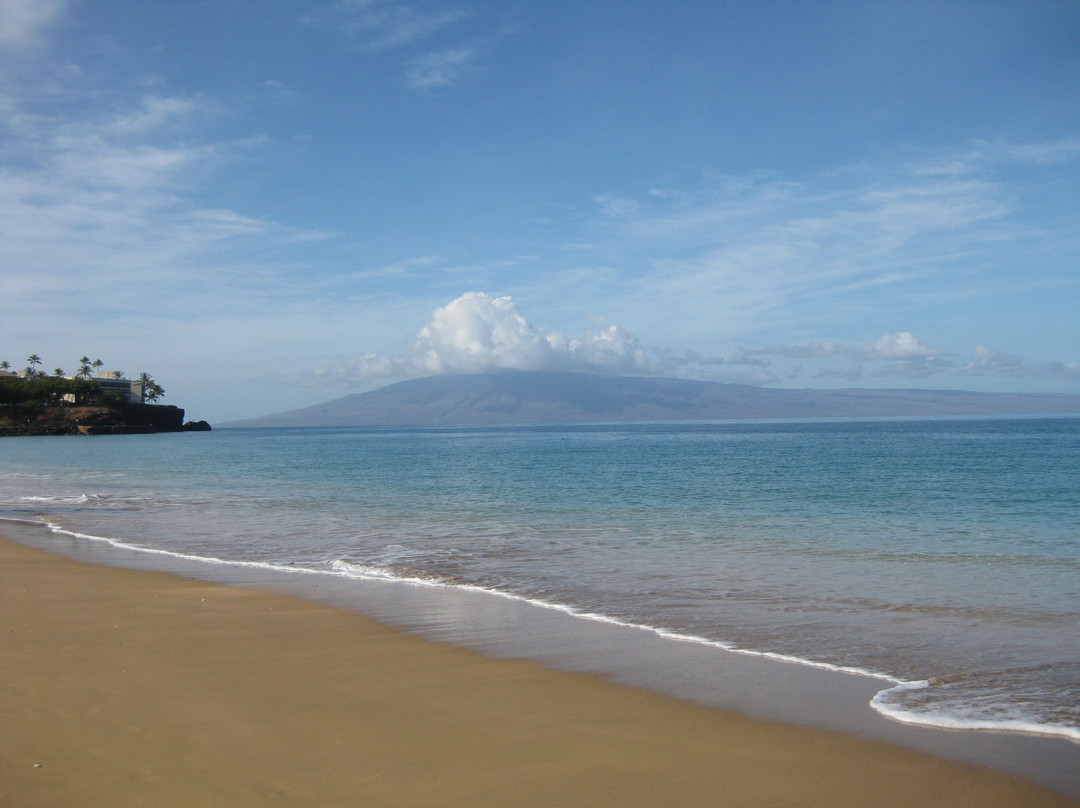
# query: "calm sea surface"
{"type": "Point", "coordinates": [944, 555]}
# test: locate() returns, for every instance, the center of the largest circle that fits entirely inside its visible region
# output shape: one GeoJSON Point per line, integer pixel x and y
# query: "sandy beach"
{"type": "Point", "coordinates": [124, 687]}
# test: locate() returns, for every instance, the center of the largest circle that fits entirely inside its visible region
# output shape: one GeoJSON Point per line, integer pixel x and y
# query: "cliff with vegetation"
{"type": "Point", "coordinates": [71, 420]}
{"type": "Point", "coordinates": [49, 405]}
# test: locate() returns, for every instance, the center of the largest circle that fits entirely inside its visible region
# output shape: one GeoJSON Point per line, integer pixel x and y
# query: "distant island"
{"type": "Point", "coordinates": [33, 403]}
{"type": "Point", "coordinates": [529, 397]}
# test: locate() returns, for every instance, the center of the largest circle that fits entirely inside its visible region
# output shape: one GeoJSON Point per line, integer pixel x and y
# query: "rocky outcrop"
{"type": "Point", "coordinates": [130, 419]}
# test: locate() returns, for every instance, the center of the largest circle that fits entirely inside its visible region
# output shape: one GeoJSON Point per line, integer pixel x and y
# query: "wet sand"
{"type": "Point", "coordinates": [122, 687]}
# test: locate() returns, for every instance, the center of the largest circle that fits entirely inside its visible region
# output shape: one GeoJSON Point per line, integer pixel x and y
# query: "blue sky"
{"type": "Point", "coordinates": [270, 204]}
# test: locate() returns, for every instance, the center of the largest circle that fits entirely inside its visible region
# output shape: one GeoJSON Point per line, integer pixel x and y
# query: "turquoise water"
{"type": "Point", "coordinates": [942, 555]}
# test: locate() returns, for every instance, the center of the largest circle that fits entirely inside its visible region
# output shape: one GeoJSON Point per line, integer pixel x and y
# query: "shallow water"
{"type": "Point", "coordinates": [942, 556]}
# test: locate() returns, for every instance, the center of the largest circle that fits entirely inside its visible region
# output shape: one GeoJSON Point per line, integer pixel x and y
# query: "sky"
{"type": "Point", "coordinates": [267, 204]}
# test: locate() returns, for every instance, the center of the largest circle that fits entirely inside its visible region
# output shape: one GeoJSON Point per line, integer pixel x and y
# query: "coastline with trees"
{"type": "Point", "coordinates": [33, 402]}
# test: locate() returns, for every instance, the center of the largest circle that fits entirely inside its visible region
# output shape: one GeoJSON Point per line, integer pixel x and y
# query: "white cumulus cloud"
{"type": "Point", "coordinates": [477, 333]}
{"type": "Point", "coordinates": [988, 362]}
{"type": "Point", "coordinates": [901, 345]}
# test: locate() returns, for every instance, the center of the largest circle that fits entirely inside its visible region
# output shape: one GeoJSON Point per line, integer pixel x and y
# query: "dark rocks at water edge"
{"type": "Point", "coordinates": [130, 419]}
{"type": "Point", "coordinates": [526, 397]}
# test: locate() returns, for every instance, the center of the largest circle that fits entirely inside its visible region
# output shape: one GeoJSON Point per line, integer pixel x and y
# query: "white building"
{"type": "Point", "coordinates": [110, 382]}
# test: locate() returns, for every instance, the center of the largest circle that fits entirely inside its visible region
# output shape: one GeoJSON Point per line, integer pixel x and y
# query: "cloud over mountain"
{"type": "Point", "coordinates": [901, 345]}
{"type": "Point", "coordinates": [988, 362]}
{"type": "Point", "coordinates": [476, 333]}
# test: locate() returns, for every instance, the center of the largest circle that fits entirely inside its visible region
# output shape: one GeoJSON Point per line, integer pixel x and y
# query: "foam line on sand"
{"type": "Point", "coordinates": [123, 687]}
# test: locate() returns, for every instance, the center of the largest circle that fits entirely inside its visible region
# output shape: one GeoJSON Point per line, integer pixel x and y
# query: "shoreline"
{"type": "Point", "coordinates": [200, 693]}
{"type": "Point", "coordinates": [762, 686]}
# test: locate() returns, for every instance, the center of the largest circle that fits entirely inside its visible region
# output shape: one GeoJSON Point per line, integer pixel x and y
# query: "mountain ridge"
{"type": "Point", "coordinates": [524, 397]}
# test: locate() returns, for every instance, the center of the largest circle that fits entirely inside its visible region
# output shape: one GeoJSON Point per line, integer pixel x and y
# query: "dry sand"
{"type": "Point", "coordinates": [127, 688]}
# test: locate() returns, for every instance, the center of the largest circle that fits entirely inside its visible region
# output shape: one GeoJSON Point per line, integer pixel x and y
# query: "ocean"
{"type": "Point", "coordinates": [942, 557]}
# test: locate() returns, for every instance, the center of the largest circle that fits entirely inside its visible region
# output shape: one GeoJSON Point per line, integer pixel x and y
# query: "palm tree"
{"type": "Point", "coordinates": [4, 365]}
{"type": "Point", "coordinates": [84, 367]}
{"type": "Point", "coordinates": [156, 391]}
{"type": "Point", "coordinates": [147, 385]}
{"type": "Point", "coordinates": [33, 361]}
{"type": "Point", "coordinates": [58, 373]}
{"type": "Point", "coordinates": [98, 364]}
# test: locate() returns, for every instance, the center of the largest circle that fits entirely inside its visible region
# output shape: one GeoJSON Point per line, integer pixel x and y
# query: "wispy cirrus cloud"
{"type": "Point", "coordinates": [439, 69]}
{"type": "Point", "coordinates": [384, 24]}
{"type": "Point", "coordinates": [22, 22]}
{"type": "Point", "coordinates": [439, 55]}
{"type": "Point", "coordinates": [983, 154]}
{"type": "Point", "coordinates": [766, 251]}
{"type": "Point", "coordinates": [102, 208]}
{"type": "Point", "coordinates": [771, 236]}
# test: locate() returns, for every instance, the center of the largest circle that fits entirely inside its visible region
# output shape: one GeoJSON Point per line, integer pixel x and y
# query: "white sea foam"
{"type": "Point", "coordinates": [880, 702]}
{"type": "Point", "coordinates": [120, 544]}
{"type": "Point", "coordinates": [66, 499]}
{"type": "Point", "coordinates": [94, 500]}
{"type": "Point", "coordinates": [368, 572]}
{"type": "Point", "coordinates": [374, 573]}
